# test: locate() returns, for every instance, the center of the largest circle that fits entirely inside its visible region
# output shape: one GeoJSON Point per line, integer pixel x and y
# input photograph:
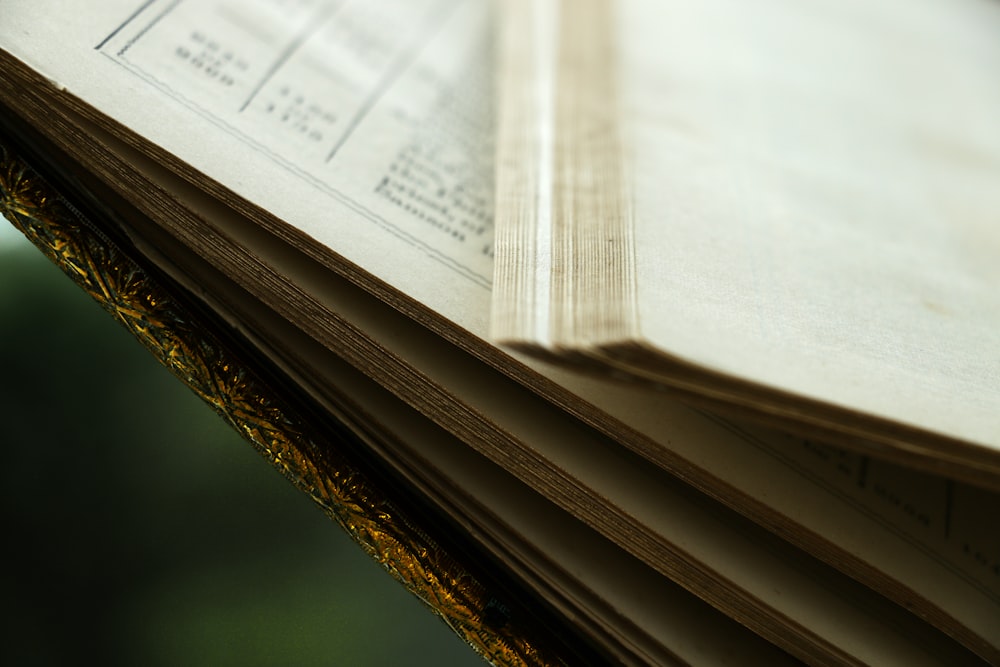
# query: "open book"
{"type": "Point", "coordinates": [321, 175]}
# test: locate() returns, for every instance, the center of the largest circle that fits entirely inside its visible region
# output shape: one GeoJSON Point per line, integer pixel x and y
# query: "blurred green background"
{"type": "Point", "coordinates": [140, 530]}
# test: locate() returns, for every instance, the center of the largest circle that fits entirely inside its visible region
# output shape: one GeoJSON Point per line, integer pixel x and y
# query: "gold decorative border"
{"type": "Point", "coordinates": [309, 459]}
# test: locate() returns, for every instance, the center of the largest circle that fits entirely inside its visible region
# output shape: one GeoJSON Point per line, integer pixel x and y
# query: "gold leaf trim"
{"type": "Point", "coordinates": [309, 459]}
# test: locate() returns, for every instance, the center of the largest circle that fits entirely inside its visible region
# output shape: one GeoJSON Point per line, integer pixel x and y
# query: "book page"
{"type": "Point", "coordinates": [326, 114]}
{"type": "Point", "coordinates": [815, 192]}
{"type": "Point", "coordinates": [872, 518]}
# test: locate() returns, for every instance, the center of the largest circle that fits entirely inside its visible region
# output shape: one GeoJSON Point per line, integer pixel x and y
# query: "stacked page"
{"type": "Point", "coordinates": [786, 211]}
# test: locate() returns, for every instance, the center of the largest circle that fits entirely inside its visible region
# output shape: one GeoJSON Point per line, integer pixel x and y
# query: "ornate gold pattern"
{"type": "Point", "coordinates": [311, 460]}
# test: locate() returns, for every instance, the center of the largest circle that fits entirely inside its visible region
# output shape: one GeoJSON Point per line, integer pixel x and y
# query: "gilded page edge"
{"type": "Point", "coordinates": [304, 456]}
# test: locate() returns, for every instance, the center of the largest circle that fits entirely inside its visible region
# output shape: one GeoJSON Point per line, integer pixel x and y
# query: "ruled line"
{"type": "Point", "coordinates": [292, 48]}
{"type": "Point", "coordinates": [142, 33]}
{"type": "Point", "coordinates": [397, 68]}
{"type": "Point", "coordinates": [121, 27]}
